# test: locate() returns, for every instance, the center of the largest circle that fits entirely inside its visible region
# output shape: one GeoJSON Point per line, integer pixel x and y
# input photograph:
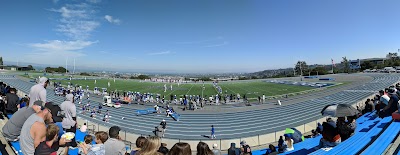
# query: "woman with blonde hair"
{"type": "Point", "coordinates": [150, 146]}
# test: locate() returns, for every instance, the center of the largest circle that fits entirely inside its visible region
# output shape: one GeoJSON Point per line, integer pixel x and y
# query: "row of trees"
{"type": "Point", "coordinates": [56, 70]}
{"type": "Point", "coordinates": [141, 77]}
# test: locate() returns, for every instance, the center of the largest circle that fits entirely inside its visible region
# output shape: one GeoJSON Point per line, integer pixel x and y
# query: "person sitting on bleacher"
{"type": "Point", "coordinates": [45, 147]}
{"type": "Point", "coordinates": [330, 135]}
{"type": "Point", "coordinates": [99, 147]}
{"type": "Point", "coordinates": [391, 106]}
{"type": "Point", "coordinates": [12, 101]}
{"type": "Point", "coordinates": [12, 129]}
{"type": "Point", "coordinates": [383, 100]}
{"type": "Point", "coordinates": [346, 127]}
{"type": "Point", "coordinates": [369, 106]}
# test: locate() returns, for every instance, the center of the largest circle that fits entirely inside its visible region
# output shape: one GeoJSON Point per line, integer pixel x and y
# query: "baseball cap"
{"type": "Point", "coordinates": [215, 145]}
{"type": "Point", "coordinates": [243, 142]}
{"type": "Point", "coordinates": [55, 111]}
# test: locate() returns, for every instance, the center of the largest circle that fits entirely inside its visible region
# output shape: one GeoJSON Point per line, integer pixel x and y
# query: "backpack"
{"type": "Point", "coordinates": [246, 149]}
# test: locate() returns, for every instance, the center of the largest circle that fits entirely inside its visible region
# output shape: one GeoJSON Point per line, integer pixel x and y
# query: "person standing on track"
{"type": "Point", "coordinates": [164, 126]}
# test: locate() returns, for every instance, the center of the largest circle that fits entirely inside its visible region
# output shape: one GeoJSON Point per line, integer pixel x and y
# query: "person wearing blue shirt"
{"type": "Point", "coordinates": [212, 132]}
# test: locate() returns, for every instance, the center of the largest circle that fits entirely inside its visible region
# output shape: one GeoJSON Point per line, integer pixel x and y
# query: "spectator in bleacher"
{"type": "Point", "coordinates": [163, 149]}
{"type": "Point", "coordinates": [203, 149]}
{"type": "Point", "coordinates": [369, 106]}
{"type": "Point", "coordinates": [99, 147]}
{"type": "Point", "coordinates": [330, 135]}
{"type": "Point", "coordinates": [280, 144]}
{"type": "Point", "coordinates": [83, 128]}
{"type": "Point", "coordinates": [114, 145]}
{"type": "Point", "coordinates": [271, 151]}
{"type": "Point", "coordinates": [346, 127]}
{"type": "Point", "coordinates": [12, 101]}
{"type": "Point", "coordinates": [87, 141]}
{"type": "Point", "coordinates": [391, 106]}
{"type": "Point", "coordinates": [38, 91]}
{"type": "Point", "coordinates": [233, 150]}
{"type": "Point", "coordinates": [181, 149]}
{"type": "Point", "coordinates": [150, 146]}
{"type": "Point", "coordinates": [34, 130]}
{"type": "Point", "coordinates": [24, 101]}
{"type": "Point", "coordinates": [2, 104]}
{"type": "Point", "coordinates": [215, 150]}
{"type": "Point", "coordinates": [288, 144]}
{"type": "Point", "coordinates": [45, 147]}
{"type": "Point", "coordinates": [12, 128]}
{"type": "Point", "coordinates": [69, 121]}
{"type": "Point", "coordinates": [384, 101]}
{"type": "Point", "coordinates": [139, 144]}
{"type": "Point", "coordinates": [244, 147]}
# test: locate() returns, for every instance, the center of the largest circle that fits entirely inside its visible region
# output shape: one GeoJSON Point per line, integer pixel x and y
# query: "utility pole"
{"type": "Point", "coordinates": [73, 72]}
{"type": "Point", "coordinates": [66, 65]}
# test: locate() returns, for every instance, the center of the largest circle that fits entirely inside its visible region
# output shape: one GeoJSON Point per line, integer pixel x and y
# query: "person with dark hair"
{"type": "Point", "coordinates": [369, 106]}
{"type": "Point", "coordinates": [139, 144]}
{"type": "Point", "coordinates": [330, 135]}
{"type": "Point", "coordinates": [180, 149]}
{"type": "Point", "coordinates": [203, 149]}
{"type": "Point", "coordinates": [233, 150]}
{"type": "Point", "coordinates": [163, 149]}
{"type": "Point", "coordinates": [280, 144]}
{"type": "Point", "coordinates": [114, 145]}
{"type": "Point", "coordinates": [98, 148]}
{"type": "Point", "coordinates": [272, 150]}
{"type": "Point", "coordinates": [12, 101]}
{"type": "Point", "coordinates": [391, 106]}
{"type": "Point", "coordinates": [212, 132]}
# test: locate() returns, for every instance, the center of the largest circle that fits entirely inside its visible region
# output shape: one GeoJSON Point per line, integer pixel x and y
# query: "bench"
{"type": "Point", "coordinates": [383, 141]}
{"type": "Point", "coordinates": [360, 139]}
{"type": "Point", "coordinates": [308, 145]}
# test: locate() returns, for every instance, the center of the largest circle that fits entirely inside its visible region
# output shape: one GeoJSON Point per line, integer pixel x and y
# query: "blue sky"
{"type": "Point", "coordinates": [196, 36]}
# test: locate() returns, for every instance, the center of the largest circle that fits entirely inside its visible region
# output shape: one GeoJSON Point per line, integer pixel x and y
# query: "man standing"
{"type": "Point", "coordinates": [263, 98]}
{"type": "Point", "coordinates": [38, 91]}
{"type": "Point", "coordinates": [114, 145]}
{"type": "Point", "coordinates": [12, 129]}
{"type": "Point", "coordinates": [69, 122]}
{"type": "Point", "coordinates": [12, 101]}
{"type": "Point", "coordinates": [164, 126]}
{"type": "Point", "coordinates": [212, 132]}
{"type": "Point", "coordinates": [34, 130]}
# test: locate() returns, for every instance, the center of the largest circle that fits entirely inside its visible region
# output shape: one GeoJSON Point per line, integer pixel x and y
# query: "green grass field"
{"type": "Point", "coordinates": [252, 89]}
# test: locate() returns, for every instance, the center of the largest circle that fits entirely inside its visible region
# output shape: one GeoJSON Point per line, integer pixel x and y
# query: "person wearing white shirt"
{"type": "Point", "coordinates": [38, 91]}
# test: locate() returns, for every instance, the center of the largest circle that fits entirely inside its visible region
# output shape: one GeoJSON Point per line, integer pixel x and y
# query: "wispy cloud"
{"type": "Point", "coordinates": [112, 20]}
{"type": "Point", "coordinates": [201, 41]}
{"type": "Point", "coordinates": [217, 45]}
{"type": "Point", "coordinates": [77, 20]}
{"type": "Point", "coordinates": [161, 53]}
{"type": "Point", "coordinates": [94, 1]}
{"type": "Point", "coordinates": [58, 45]}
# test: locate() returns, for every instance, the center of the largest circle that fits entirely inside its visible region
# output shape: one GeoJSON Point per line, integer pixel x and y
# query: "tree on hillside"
{"type": "Point", "coordinates": [301, 68]}
{"type": "Point", "coordinates": [1, 62]}
{"type": "Point", "coordinates": [367, 65]}
{"type": "Point", "coordinates": [30, 67]}
{"type": "Point", "coordinates": [346, 65]}
{"type": "Point", "coordinates": [142, 77]}
{"type": "Point", "coordinates": [319, 71]}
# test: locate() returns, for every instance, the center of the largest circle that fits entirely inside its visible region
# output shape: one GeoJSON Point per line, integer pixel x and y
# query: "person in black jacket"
{"type": "Point", "coordinates": [12, 101]}
{"type": "Point", "coordinates": [233, 150]}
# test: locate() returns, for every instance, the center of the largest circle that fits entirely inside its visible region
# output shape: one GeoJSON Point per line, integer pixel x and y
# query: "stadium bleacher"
{"type": "Point", "coordinates": [368, 126]}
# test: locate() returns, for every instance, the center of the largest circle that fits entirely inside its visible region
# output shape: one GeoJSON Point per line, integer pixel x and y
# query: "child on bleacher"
{"type": "Point", "coordinates": [87, 141]}
{"type": "Point", "coordinates": [98, 148]}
